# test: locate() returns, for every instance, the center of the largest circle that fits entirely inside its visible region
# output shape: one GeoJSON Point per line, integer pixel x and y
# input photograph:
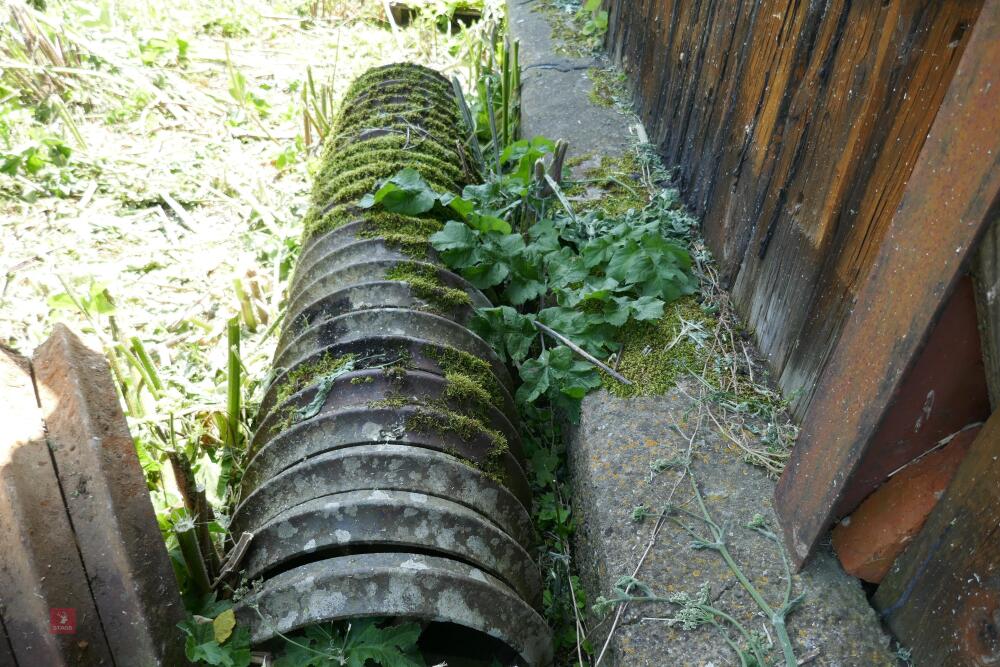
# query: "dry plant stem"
{"type": "Point", "coordinates": [580, 634]}
{"type": "Point", "coordinates": [778, 616]}
{"type": "Point", "coordinates": [234, 558]}
{"type": "Point", "coordinates": [583, 353]}
{"type": "Point", "coordinates": [660, 522]}
{"type": "Point", "coordinates": [771, 462]}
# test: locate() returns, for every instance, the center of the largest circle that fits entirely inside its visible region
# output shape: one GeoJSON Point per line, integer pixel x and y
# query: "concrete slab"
{"type": "Point", "coordinates": [555, 90]}
{"type": "Point", "coordinates": [613, 455]}
{"type": "Point", "coordinates": [130, 575]}
{"type": "Point", "coordinates": [40, 568]}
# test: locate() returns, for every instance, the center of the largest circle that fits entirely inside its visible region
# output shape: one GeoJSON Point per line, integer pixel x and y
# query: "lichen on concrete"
{"type": "Point", "coordinates": [609, 89]}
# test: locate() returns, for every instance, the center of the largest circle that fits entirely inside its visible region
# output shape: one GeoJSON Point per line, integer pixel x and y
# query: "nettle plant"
{"type": "Point", "coordinates": [584, 276]}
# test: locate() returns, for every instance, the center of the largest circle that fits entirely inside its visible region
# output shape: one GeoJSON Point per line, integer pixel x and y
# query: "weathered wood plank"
{"type": "Point", "coordinates": [942, 596]}
{"type": "Point", "coordinates": [794, 127]}
{"type": "Point", "coordinates": [901, 101]}
{"type": "Point", "coordinates": [40, 569]}
{"type": "Point", "coordinates": [986, 275]}
{"type": "Point", "coordinates": [942, 213]}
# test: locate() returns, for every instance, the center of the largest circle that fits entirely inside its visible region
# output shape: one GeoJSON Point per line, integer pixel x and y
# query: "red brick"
{"type": "Point", "coordinates": [869, 540]}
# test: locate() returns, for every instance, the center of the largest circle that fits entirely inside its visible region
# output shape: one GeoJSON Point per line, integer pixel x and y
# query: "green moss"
{"type": "Point", "coordinates": [390, 93]}
{"type": "Point", "coordinates": [351, 192]}
{"type": "Point", "coordinates": [285, 420]}
{"type": "Point", "coordinates": [347, 181]}
{"type": "Point", "coordinates": [619, 190]}
{"type": "Point", "coordinates": [396, 373]}
{"type": "Point", "coordinates": [392, 402]}
{"type": "Point", "coordinates": [431, 147]}
{"type": "Point", "coordinates": [381, 224]}
{"type": "Point", "coordinates": [466, 369]}
{"type": "Point", "coordinates": [362, 379]}
{"type": "Point", "coordinates": [301, 376]}
{"type": "Point", "coordinates": [442, 420]}
{"type": "Point", "coordinates": [567, 30]}
{"type": "Point", "coordinates": [463, 388]}
{"type": "Point", "coordinates": [407, 234]}
{"type": "Point", "coordinates": [608, 89]}
{"type": "Point", "coordinates": [440, 106]}
{"type": "Point", "coordinates": [404, 72]}
{"type": "Point", "coordinates": [419, 160]}
{"type": "Point", "coordinates": [655, 355]}
{"type": "Point", "coordinates": [426, 284]}
{"type": "Point", "coordinates": [407, 121]}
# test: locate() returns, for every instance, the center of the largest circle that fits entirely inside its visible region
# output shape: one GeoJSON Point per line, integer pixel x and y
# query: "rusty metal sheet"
{"type": "Point", "coordinates": [397, 584]}
{"type": "Point", "coordinates": [115, 526]}
{"type": "Point", "coordinates": [377, 520]}
{"type": "Point", "coordinates": [942, 595]}
{"type": "Point", "coordinates": [943, 391]}
{"type": "Point", "coordinates": [40, 568]}
{"type": "Point", "coordinates": [389, 467]}
{"type": "Point", "coordinates": [943, 212]}
{"type": "Point", "coordinates": [362, 426]}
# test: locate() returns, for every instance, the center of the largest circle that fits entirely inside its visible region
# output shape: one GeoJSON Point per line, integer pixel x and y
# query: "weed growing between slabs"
{"type": "Point", "coordinates": [628, 282]}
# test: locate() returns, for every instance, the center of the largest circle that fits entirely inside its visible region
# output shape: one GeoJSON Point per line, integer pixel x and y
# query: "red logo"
{"type": "Point", "coordinates": [62, 621]}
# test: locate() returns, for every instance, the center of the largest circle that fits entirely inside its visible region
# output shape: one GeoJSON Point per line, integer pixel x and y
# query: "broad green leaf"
{"type": "Point", "coordinates": [454, 236]}
{"type": "Point", "coordinates": [510, 333]}
{"type": "Point", "coordinates": [61, 301]}
{"type": "Point", "coordinates": [488, 223]}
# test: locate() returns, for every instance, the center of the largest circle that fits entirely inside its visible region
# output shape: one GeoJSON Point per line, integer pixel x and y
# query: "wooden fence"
{"type": "Point", "coordinates": [845, 159]}
{"type": "Point", "coordinates": [795, 126]}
